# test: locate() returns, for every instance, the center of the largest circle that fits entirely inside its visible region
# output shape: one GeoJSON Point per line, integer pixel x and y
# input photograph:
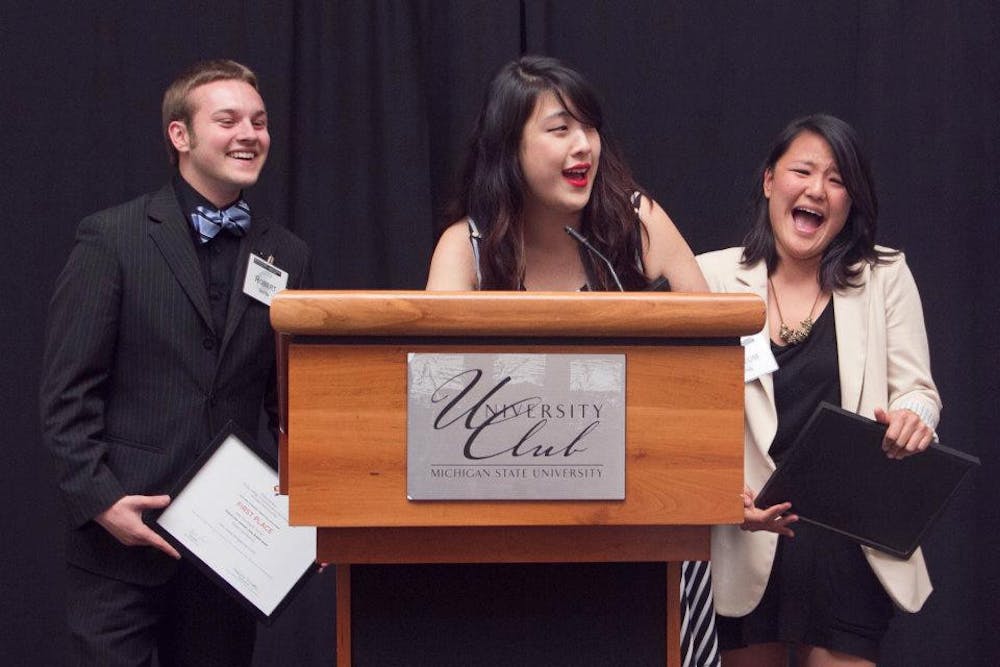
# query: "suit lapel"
{"type": "Point", "coordinates": [255, 241]}
{"type": "Point", "coordinates": [171, 235]}
{"type": "Point", "coordinates": [760, 392]}
{"type": "Point", "coordinates": [850, 306]}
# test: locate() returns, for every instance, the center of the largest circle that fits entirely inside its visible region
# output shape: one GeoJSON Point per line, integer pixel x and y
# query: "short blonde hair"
{"type": "Point", "coordinates": [177, 106]}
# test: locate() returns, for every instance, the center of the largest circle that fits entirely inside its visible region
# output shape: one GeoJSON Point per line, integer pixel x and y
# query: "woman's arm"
{"type": "Point", "coordinates": [666, 253]}
{"type": "Point", "coordinates": [453, 264]}
{"type": "Point", "coordinates": [913, 401]}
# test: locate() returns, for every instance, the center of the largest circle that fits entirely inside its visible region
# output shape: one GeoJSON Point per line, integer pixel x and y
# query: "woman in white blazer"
{"type": "Point", "coordinates": [845, 324]}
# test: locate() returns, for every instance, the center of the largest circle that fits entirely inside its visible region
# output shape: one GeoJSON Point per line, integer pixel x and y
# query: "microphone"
{"type": "Point", "coordinates": [582, 240]}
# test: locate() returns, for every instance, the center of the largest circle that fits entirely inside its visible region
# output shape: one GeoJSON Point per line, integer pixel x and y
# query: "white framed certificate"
{"type": "Point", "coordinates": [227, 517]}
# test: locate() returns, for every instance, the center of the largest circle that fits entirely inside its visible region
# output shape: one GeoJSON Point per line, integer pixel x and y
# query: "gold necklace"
{"type": "Point", "coordinates": [799, 334]}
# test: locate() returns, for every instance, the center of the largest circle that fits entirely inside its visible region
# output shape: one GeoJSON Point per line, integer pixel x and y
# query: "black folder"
{"type": "Point", "coordinates": [837, 476]}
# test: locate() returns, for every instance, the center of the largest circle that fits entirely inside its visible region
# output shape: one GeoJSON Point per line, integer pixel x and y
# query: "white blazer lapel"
{"type": "Point", "coordinates": [759, 394]}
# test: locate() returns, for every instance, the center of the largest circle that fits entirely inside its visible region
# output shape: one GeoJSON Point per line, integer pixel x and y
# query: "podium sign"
{"type": "Point", "coordinates": [515, 426]}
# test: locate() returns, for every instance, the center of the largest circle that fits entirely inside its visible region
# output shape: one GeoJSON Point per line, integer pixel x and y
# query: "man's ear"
{"type": "Point", "coordinates": [179, 135]}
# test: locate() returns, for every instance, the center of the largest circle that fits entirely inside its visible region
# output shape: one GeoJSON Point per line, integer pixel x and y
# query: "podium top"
{"type": "Point", "coordinates": [534, 314]}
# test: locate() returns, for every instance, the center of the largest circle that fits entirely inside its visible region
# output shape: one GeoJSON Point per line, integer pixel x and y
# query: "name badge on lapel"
{"type": "Point", "coordinates": [264, 279]}
{"type": "Point", "coordinates": [758, 359]}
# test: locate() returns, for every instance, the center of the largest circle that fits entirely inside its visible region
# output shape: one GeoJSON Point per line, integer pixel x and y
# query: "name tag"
{"type": "Point", "coordinates": [263, 280]}
{"type": "Point", "coordinates": [758, 359]}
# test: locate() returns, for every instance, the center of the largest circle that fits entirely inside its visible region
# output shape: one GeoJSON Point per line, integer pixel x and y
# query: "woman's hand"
{"type": "Point", "coordinates": [907, 433]}
{"type": "Point", "coordinates": [772, 518]}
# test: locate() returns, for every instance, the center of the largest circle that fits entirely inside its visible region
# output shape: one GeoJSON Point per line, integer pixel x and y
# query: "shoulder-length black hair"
{"type": "Point", "coordinates": [856, 241]}
{"type": "Point", "coordinates": [492, 188]}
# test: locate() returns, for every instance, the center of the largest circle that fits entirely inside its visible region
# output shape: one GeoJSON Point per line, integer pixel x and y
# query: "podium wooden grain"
{"type": "Point", "coordinates": [342, 384]}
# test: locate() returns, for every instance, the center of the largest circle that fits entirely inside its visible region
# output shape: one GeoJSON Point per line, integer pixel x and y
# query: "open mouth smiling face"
{"type": "Point", "coordinates": [224, 146]}
{"type": "Point", "coordinates": [559, 156]}
{"type": "Point", "coordinates": [807, 200]}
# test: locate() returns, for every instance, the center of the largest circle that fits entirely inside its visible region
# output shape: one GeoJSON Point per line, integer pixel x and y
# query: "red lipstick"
{"type": "Point", "coordinates": [577, 174]}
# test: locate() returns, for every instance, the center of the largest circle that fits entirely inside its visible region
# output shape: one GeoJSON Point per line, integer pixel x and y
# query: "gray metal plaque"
{"type": "Point", "coordinates": [515, 427]}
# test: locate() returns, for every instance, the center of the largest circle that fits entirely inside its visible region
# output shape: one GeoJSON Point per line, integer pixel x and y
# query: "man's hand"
{"type": "Point", "coordinates": [124, 521]}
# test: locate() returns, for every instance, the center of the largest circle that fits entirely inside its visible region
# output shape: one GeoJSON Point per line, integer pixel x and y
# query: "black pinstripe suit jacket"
{"type": "Point", "coordinates": [135, 380]}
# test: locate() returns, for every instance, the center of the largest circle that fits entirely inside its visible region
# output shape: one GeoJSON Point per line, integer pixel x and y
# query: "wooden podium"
{"type": "Point", "coordinates": [343, 386]}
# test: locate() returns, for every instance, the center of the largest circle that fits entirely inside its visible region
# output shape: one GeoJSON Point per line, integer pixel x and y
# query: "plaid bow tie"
{"type": "Point", "coordinates": [209, 222]}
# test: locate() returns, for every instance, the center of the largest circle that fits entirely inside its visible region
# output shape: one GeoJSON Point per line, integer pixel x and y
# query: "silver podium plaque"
{"type": "Point", "coordinates": [515, 427]}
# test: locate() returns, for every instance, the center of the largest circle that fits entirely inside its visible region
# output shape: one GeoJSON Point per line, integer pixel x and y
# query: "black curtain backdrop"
{"type": "Point", "coordinates": [371, 103]}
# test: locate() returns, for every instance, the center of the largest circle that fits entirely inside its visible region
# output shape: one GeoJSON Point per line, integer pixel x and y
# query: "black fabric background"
{"type": "Point", "coordinates": [370, 104]}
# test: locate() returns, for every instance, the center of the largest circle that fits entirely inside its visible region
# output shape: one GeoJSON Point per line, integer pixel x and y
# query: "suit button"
{"type": "Point", "coordinates": [208, 342]}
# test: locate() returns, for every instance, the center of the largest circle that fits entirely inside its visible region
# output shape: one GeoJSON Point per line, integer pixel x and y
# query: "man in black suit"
{"type": "Point", "coordinates": [152, 347]}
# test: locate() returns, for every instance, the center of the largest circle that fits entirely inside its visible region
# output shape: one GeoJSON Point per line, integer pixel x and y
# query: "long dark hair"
{"type": "Point", "coordinates": [492, 188]}
{"type": "Point", "coordinates": [856, 241]}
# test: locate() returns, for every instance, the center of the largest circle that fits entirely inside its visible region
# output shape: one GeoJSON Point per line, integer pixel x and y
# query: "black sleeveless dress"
{"type": "Point", "coordinates": [822, 592]}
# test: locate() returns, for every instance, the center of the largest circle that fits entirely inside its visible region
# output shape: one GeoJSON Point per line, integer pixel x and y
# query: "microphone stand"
{"type": "Point", "coordinates": [582, 240]}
